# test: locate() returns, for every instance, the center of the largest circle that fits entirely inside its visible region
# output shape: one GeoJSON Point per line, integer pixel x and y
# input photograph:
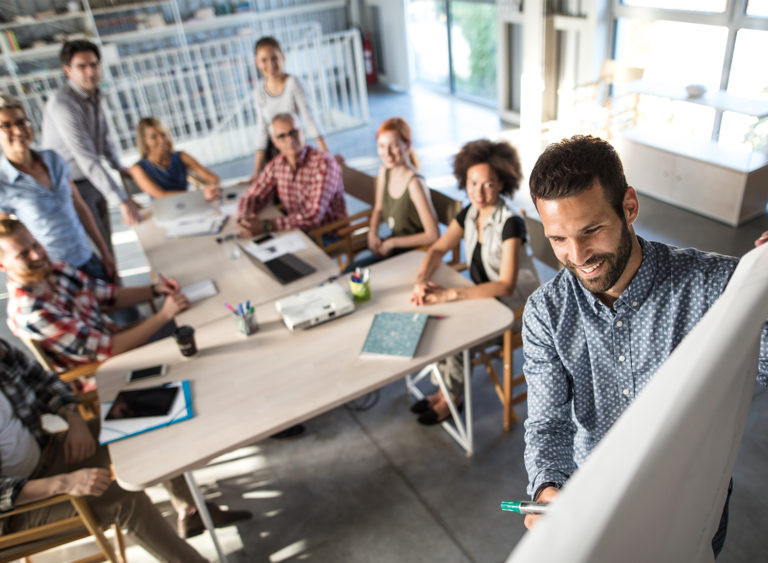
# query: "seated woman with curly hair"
{"type": "Point", "coordinates": [493, 239]}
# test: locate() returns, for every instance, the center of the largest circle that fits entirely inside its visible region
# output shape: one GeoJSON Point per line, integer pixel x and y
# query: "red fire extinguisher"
{"type": "Point", "coordinates": [370, 64]}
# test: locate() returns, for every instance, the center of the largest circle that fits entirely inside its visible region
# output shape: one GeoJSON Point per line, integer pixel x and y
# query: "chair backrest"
{"type": "Point", "coordinates": [38, 352]}
{"type": "Point", "coordinates": [538, 243]}
{"type": "Point", "coordinates": [447, 209]}
{"type": "Point", "coordinates": [359, 184]}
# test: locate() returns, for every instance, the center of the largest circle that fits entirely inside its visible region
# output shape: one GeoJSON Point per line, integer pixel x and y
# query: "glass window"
{"type": "Point", "coordinates": [739, 129]}
{"type": "Point", "coordinates": [673, 54]}
{"type": "Point", "coordinates": [473, 48]}
{"type": "Point", "coordinates": [687, 5]}
{"type": "Point", "coordinates": [428, 38]}
{"type": "Point", "coordinates": [757, 8]}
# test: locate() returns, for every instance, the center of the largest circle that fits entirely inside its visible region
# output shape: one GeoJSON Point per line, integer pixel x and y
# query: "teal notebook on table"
{"type": "Point", "coordinates": [394, 335]}
{"type": "Point", "coordinates": [117, 429]}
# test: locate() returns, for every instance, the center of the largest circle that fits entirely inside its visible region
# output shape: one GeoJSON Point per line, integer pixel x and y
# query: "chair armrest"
{"type": "Point", "coordinates": [80, 371]}
{"type": "Point", "coordinates": [34, 505]}
{"type": "Point", "coordinates": [317, 233]}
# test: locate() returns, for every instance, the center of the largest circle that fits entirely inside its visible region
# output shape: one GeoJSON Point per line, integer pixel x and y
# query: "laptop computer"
{"type": "Point", "coordinates": [171, 208]}
{"type": "Point", "coordinates": [285, 268]}
{"type": "Point", "coordinates": [315, 306]}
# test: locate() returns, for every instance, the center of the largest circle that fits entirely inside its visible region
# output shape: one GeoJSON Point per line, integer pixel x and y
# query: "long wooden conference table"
{"type": "Point", "coordinates": [245, 389]}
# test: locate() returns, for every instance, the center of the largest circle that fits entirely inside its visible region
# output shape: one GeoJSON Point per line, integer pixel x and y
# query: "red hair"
{"type": "Point", "coordinates": [400, 126]}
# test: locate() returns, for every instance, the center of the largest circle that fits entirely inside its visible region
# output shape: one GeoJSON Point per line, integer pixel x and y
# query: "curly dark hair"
{"type": "Point", "coordinates": [571, 167]}
{"type": "Point", "coordinates": [267, 41]}
{"type": "Point", "coordinates": [72, 48]}
{"type": "Point", "coordinates": [501, 157]}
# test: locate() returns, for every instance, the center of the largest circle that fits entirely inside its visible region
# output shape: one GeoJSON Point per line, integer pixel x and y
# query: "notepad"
{"type": "Point", "coordinates": [200, 290]}
{"type": "Point", "coordinates": [113, 430]}
{"type": "Point", "coordinates": [394, 335]}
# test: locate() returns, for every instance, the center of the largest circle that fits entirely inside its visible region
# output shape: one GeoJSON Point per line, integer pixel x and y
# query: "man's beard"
{"type": "Point", "coordinates": [613, 264]}
{"type": "Point", "coordinates": [37, 274]}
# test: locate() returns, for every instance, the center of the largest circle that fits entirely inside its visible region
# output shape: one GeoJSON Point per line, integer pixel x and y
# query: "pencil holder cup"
{"type": "Point", "coordinates": [246, 324]}
{"type": "Point", "coordinates": [361, 290]}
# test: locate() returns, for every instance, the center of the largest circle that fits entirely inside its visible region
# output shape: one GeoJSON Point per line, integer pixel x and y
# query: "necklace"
{"type": "Point", "coordinates": [163, 162]}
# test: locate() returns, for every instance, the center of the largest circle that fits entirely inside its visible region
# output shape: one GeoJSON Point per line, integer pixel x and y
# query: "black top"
{"type": "Point", "coordinates": [514, 227]}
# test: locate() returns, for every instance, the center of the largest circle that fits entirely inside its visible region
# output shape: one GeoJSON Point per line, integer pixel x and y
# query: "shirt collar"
{"type": "Point", "coordinates": [84, 94]}
{"type": "Point", "coordinates": [639, 287]}
{"type": "Point", "coordinates": [8, 171]}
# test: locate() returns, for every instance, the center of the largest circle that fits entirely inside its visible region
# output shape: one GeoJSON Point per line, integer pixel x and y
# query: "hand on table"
{"type": "Point", "coordinates": [211, 192]}
{"type": "Point", "coordinates": [430, 293]}
{"type": "Point", "coordinates": [167, 286]}
{"type": "Point", "coordinates": [386, 247]}
{"type": "Point", "coordinates": [546, 495]}
{"type": "Point", "coordinates": [173, 305]}
{"type": "Point", "coordinates": [249, 225]}
{"type": "Point", "coordinates": [374, 243]}
{"type": "Point", "coordinates": [130, 212]}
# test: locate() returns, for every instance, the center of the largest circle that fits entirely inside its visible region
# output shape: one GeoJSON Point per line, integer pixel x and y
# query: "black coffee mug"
{"type": "Point", "coordinates": [185, 338]}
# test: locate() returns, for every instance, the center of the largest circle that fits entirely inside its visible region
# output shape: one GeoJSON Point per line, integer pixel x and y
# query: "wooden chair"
{"type": "Point", "coordinates": [89, 400]}
{"type": "Point", "coordinates": [505, 386]}
{"type": "Point", "coordinates": [28, 542]}
{"type": "Point", "coordinates": [351, 233]}
{"type": "Point", "coordinates": [603, 106]}
{"type": "Point", "coordinates": [447, 209]}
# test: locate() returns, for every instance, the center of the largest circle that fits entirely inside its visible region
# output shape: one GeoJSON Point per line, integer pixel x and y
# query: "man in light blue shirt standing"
{"type": "Point", "coordinates": [596, 334]}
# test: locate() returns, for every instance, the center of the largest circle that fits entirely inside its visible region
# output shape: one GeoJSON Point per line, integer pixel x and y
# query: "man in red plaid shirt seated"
{"type": "Point", "coordinates": [63, 309]}
{"type": "Point", "coordinates": [307, 182]}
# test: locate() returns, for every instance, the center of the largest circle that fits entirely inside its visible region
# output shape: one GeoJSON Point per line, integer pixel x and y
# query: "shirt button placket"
{"type": "Point", "coordinates": [624, 370]}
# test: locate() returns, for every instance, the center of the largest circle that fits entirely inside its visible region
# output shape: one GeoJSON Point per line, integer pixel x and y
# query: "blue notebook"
{"type": "Point", "coordinates": [113, 430]}
{"type": "Point", "coordinates": [394, 335]}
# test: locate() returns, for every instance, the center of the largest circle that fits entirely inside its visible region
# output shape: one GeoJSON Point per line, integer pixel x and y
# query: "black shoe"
{"type": "Point", "coordinates": [430, 417]}
{"type": "Point", "coordinates": [289, 432]}
{"type": "Point", "coordinates": [192, 525]}
{"type": "Point", "coordinates": [421, 406]}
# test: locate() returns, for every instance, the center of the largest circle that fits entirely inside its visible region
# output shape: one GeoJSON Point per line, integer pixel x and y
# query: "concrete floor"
{"type": "Point", "coordinates": [375, 486]}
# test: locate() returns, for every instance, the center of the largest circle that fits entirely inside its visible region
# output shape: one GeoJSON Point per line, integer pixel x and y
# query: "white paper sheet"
{"type": "Point", "coordinates": [286, 243]}
{"type": "Point", "coordinates": [200, 290]}
{"type": "Point", "coordinates": [194, 225]}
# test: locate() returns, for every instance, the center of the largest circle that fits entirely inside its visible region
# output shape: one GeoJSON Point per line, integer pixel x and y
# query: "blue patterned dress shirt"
{"type": "Point", "coordinates": [585, 363]}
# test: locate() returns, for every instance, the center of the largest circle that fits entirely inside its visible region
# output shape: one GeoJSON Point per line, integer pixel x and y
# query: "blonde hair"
{"type": "Point", "coordinates": [141, 129]}
{"type": "Point", "coordinates": [400, 126]}
{"type": "Point", "coordinates": [9, 102]}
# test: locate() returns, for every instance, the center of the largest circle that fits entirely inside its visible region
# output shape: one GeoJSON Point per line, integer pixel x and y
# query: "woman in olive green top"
{"type": "Point", "coordinates": [402, 198]}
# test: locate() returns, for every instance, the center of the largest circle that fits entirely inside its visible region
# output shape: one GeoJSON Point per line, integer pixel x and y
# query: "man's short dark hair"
{"type": "Point", "coordinates": [72, 48]}
{"type": "Point", "coordinates": [571, 167]}
{"type": "Point", "coordinates": [501, 157]}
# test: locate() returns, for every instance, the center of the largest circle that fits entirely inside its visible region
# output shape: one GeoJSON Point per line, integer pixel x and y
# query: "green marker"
{"type": "Point", "coordinates": [525, 507]}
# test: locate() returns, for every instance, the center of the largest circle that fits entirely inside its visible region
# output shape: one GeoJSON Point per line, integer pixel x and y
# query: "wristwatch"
{"type": "Point", "coordinates": [267, 226]}
{"type": "Point", "coordinates": [543, 486]}
{"type": "Point", "coordinates": [155, 293]}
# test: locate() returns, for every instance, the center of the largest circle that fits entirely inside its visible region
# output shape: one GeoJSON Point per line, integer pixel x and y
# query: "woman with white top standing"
{"type": "Point", "coordinates": [278, 92]}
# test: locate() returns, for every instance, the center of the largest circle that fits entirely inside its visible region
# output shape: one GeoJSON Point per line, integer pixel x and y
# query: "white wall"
{"type": "Point", "coordinates": [393, 40]}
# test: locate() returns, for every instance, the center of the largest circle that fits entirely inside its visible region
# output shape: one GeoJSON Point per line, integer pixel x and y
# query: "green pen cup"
{"type": "Point", "coordinates": [361, 291]}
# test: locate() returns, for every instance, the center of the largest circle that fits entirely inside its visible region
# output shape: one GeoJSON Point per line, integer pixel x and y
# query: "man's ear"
{"type": "Point", "coordinates": [631, 205]}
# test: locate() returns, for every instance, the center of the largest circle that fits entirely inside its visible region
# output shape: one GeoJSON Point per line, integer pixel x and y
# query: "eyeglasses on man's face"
{"type": "Point", "coordinates": [7, 126]}
{"type": "Point", "coordinates": [292, 133]}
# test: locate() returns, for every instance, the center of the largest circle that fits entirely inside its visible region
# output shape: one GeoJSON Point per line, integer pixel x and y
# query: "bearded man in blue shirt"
{"type": "Point", "coordinates": [596, 334]}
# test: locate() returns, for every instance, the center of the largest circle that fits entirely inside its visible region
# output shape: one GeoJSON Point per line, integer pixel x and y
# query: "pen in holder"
{"type": "Point", "coordinates": [245, 318]}
{"type": "Point", "coordinates": [360, 284]}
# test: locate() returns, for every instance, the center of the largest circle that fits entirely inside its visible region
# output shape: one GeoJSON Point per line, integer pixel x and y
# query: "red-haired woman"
{"type": "Point", "coordinates": [402, 198]}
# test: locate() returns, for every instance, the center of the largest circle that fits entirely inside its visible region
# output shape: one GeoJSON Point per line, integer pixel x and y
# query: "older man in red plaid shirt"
{"type": "Point", "coordinates": [307, 181]}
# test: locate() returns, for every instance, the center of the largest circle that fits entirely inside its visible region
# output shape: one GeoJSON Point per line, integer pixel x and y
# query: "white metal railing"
{"type": "Point", "coordinates": [204, 92]}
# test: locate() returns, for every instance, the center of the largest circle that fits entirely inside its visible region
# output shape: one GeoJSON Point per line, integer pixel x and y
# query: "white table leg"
{"type": "Point", "coordinates": [204, 514]}
{"type": "Point", "coordinates": [460, 430]}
